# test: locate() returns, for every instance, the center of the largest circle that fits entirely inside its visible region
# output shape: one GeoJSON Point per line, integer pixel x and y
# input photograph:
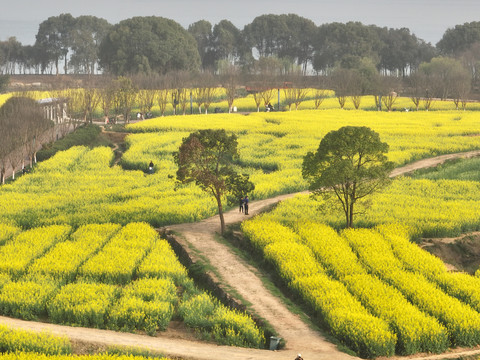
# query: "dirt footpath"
{"type": "Point", "coordinates": [236, 274]}
{"type": "Point", "coordinates": [432, 162]}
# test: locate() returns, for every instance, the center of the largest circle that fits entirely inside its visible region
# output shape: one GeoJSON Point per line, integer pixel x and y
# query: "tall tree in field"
{"type": "Point", "coordinates": [230, 75]}
{"type": "Point", "coordinates": [106, 95]}
{"type": "Point", "coordinates": [10, 55]}
{"type": "Point", "coordinates": [125, 96]}
{"type": "Point", "coordinates": [225, 41]}
{"type": "Point", "coordinates": [267, 34]}
{"type": "Point", "coordinates": [206, 158]}
{"type": "Point", "coordinates": [54, 36]}
{"type": "Point", "coordinates": [349, 165]}
{"type": "Point", "coordinates": [301, 37]}
{"type": "Point", "coordinates": [445, 76]}
{"type": "Point", "coordinates": [148, 44]}
{"type": "Point", "coordinates": [86, 37]}
{"type": "Point", "coordinates": [459, 39]}
{"type": "Point", "coordinates": [202, 33]}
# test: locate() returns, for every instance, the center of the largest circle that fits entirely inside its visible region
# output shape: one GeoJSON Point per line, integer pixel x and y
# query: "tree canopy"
{"type": "Point", "coordinates": [54, 37]}
{"type": "Point", "coordinates": [206, 158]}
{"type": "Point", "coordinates": [459, 39]}
{"type": "Point", "coordinates": [157, 45]}
{"type": "Point", "coordinates": [146, 45]}
{"type": "Point", "coordinates": [202, 33]}
{"type": "Point", "coordinates": [349, 164]}
{"type": "Point", "coordinates": [86, 36]}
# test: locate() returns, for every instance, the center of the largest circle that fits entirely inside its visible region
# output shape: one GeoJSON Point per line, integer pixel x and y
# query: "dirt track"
{"type": "Point", "coordinates": [234, 273]}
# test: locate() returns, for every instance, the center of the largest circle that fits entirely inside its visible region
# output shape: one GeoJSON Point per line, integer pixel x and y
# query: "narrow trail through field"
{"type": "Point", "coordinates": [234, 273]}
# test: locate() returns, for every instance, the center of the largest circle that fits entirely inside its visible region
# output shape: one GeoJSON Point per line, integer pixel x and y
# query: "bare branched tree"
{"type": "Point", "coordinates": [230, 80]}
{"type": "Point", "coordinates": [300, 95]}
{"type": "Point", "coordinates": [209, 96]}
{"type": "Point", "coordinates": [24, 128]}
{"type": "Point", "coordinates": [91, 99]}
{"type": "Point", "coordinates": [125, 97]}
{"type": "Point", "coordinates": [267, 96]}
{"type": "Point", "coordinates": [389, 100]}
{"type": "Point", "coordinates": [290, 95]}
{"type": "Point", "coordinates": [257, 97]}
{"type": "Point", "coordinates": [318, 97]}
{"type": "Point", "coordinates": [162, 100]}
{"type": "Point", "coordinates": [146, 99]}
{"type": "Point", "coordinates": [199, 98]}
{"type": "Point", "coordinates": [106, 98]}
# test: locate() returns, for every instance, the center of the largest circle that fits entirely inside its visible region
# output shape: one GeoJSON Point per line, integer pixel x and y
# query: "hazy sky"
{"type": "Point", "coordinates": [428, 19]}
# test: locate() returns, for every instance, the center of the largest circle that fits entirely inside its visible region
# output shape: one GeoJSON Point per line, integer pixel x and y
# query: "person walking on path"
{"type": "Point", "coordinates": [240, 209]}
{"type": "Point", "coordinates": [245, 204]}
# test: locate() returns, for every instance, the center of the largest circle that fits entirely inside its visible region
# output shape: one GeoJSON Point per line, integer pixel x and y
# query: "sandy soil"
{"type": "Point", "coordinates": [234, 273]}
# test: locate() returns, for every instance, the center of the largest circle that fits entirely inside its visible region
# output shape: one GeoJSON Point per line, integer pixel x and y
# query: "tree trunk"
{"type": "Point", "coordinates": [350, 216]}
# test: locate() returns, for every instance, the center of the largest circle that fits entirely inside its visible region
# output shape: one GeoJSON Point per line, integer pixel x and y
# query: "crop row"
{"type": "Point", "coordinates": [18, 254]}
{"type": "Point", "coordinates": [6, 232]}
{"type": "Point", "coordinates": [386, 276]}
{"type": "Point", "coordinates": [63, 261]}
{"type": "Point", "coordinates": [202, 311]}
{"type": "Point", "coordinates": [104, 356]}
{"type": "Point", "coordinates": [344, 315]}
{"type": "Point", "coordinates": [14, 341]}
{"type": "Point", "coordinates": [120, 257]}
{"type": "Point", "coordinates": [416, 332]}
{"type": "Point", "coordinates": [460, 285]}
{"type": "Point", "coordinates": [462, 322]}
{"type": "Point", "coordinates": [107, 276]}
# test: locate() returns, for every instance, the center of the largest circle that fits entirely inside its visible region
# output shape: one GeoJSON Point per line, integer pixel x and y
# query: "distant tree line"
{"type": "Point", "coordinates": [88, 45]}
{"type": "Point", "coordinates": [274, 51]}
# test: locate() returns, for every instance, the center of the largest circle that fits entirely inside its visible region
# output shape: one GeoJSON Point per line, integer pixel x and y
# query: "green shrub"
{"type": "Point", "coordinates": [88, 135]}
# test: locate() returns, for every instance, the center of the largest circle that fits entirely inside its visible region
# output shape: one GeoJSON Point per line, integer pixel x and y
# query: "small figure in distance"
{"type": "Point", "coordinates": [299, 357]}
{"type": "Point", "coordinates": [270, 107]}
{"type": "Point", "coordinates": [245, 204]}
{"type": "Point", "coordinates": [150, 167]}
{"type": "Point", "coordinates": [240, 209]}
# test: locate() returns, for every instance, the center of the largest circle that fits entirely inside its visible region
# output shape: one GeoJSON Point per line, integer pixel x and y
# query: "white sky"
{"type": "Point", "coordinates": [428, 19]}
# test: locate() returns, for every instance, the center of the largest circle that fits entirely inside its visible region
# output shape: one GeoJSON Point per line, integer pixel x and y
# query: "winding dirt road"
{"type": "Point", "coordinates": [234, 273]}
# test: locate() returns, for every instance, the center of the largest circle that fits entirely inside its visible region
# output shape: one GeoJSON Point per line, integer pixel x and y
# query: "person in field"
{"type": "Point", "coordinates": [245, 204]}
{"type": "Point", "coordinates": [150, 167]}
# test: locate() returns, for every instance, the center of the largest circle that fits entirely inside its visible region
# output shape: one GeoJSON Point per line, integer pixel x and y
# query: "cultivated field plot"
{"type": "Point", "coordinates": [374, 289]}
{"type": "Point", "coordinates": [80, 228]}
{"type": "Point", "coordinates": [82, 186]}
{"type": "Point", "coordinates": [108, 276]}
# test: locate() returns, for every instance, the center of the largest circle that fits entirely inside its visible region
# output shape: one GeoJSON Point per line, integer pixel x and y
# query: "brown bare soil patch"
{"type": "Point", "coordinates": [461, 253]}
